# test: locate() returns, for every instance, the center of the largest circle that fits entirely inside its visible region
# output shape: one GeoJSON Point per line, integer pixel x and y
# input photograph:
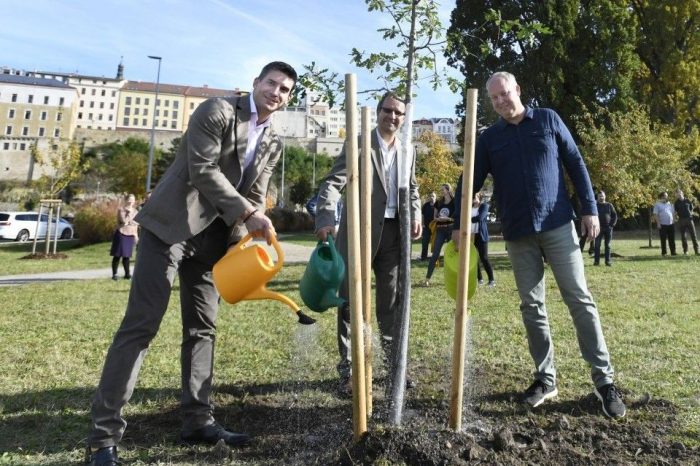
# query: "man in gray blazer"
{"type": "Point", "coordinates": [214, 189]}
{"type": "Point", "coordinates": [386, 247]}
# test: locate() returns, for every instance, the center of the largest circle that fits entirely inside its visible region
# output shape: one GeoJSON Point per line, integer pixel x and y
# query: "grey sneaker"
{"type": "Point", "coordinates": [538, 392]}
{"type": "Point", "coordinates": [491, 283]}
{"type": "Point", "coordinates": [611, 399]}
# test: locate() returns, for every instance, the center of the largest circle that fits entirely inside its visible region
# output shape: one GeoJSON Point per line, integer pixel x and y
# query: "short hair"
{"type": "Point", "coordinates": [663, 193]}
{"type": "Point", "coordinates": [387, 95]}
{"type": "Point", "coordinates": [601, 192]}
{"type": "Point", "coordinates": [282, 67]}
{"type": "Point", "coordinates": [447, 185]}
{"type": "Point", "coordinates": [508, 77]}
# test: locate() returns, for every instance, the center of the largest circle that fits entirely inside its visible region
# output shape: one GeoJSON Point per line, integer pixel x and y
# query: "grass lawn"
{"type": "Point", "coordinates": [53, 338]}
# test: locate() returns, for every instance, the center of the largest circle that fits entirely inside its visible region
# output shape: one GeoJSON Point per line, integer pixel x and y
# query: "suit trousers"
{"type": "Point", "coordinates": [560, 246]}
{"type": "Point", "coordinates": [386, 272]}
{"type": "Point", "coordinates": [151, 285]}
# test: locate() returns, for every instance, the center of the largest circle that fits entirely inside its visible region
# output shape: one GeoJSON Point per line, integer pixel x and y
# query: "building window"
{"type": "Point", "coordinates": [111, 106]}
{"type": "Point", "coordinates": [136, 111]}
{"type": "Point", "coordinates": [138, 100]}
{"type": "Point", "coordinates": [59, 116]}
{"type": "Point", "coordinates": [8, 130]}
{"type": "Point", "coordinates": [93, 91]}
{"type": "Point", "coordinates": [57, 132]}
{"type": "Point", "coordinates": [136, 122]}
{"type": "Point", "coordinates": [80, 115]}
{"type": "Point", "coordinates": [158, 102]}
{"type": "Point", "coordinates": [114, 93]}
{"type": "Point", "coordinates": [167, 103]}
{"type": "Point", "coordinates": [102, 105]}
{"type": "Point", "coordinates": [165, 113]}
{"type": "Point", "coordinates": [22, 146]}
{"type": "Point", "coordinates": [146, 101]}
{"type": "Point", "coordinates": [46, 100]}
{"type": "Point", "coordinates": [176, 104]}
{"type": "Point", "coordinates": [173, 124]}
{"type": "Point", "coordinates": [144, 122]}
{"type": "Point", "coordinates": [30, 99]}
{"type": "Point", "coordinates": [92, 104]}
{"type": "Point", "coordinates": [126, 121]}
{"type": "Point", "coordinates": [89, 116]}
{"type": "Point", "coordinates": [6, 146]}
{"type": "Point", "coordinates": [82, 91]}
{"type": "Point", "coordinates": [165, 124]}
{"type": "Point", "coordinates": [61, 101]}
{"type": "Point", "coordinates": [14, 97]}
{"type": "Point", "coordinates": [110, 118]}
{"type": "Point", "coordinates": [41, 132]}
{"type": "Point", "coordinates": [127, 111]}
{"type": "Point", "coordinates": [103, 92]}
{"type": "Point", "coordinates": [157, 112]}
{"type": "Point", "coordinates": [44, 115]}
{"type": "Point", "coordinates": [174, 113]}
{"type": "Point", "coordinates": [25, 131]}
{"type": "Point", "coordinates": [82, 103]}
{"type": "Point", "coordinates": [27, 114]}
{"type": "Point", "coordinates": [11, 113]}
{"type": "Point", "coordinates": [145, 112]}
{"type": "Point", "coordinates": [127, 101]}
{"type": "Point", "coordinates": [191, 105]}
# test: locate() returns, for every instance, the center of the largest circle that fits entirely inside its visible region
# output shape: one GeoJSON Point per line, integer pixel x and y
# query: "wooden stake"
{"type": "Point", "coordinates": [366, 244]}
{"type": "Point", "coordinates": [359, 406]}
{"type": "Point", "coordinates": [461, 314]}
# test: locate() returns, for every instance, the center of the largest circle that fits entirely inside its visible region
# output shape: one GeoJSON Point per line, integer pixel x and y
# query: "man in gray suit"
{"type": "Point", "coordinates": [214, 189]}
{"type": "Point", "coordinates": [386, 247]}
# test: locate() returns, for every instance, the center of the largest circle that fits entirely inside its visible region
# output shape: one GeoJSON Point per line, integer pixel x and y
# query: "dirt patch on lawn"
{"type": "Point", "coordinates": [497, 429]}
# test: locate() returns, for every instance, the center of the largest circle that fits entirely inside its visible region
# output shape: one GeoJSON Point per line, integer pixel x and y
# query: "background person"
{"type": "Point", "coordinates": [211, 194]}
{"type": "Point", "coordinates": [536, 217]}
{"type": "Point", "coordinates": [386, 242]}
{"type": "Point", "coordinates": [427, 214]}
{"type": "Point", "coordinates": [608, 219]}
{"type": "Point", "coordinates": [444, 219]}
{"type": "Point", "coordinates": [684, 210]}
{"type": "Point", "coordinates": [663, 216]}
{"type": "Point", "coordinates": [125, 237]}
{"type": "Point", "coordinates": [481, 238]}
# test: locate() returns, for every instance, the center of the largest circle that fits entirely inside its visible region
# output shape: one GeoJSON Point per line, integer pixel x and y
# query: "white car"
{"type": "Point", "coordinates": [21, 226]}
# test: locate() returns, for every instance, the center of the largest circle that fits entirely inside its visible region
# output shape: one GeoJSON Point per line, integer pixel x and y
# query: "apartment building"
{"type": "Point", "coordinates": [172, 108]}
{"type": "Point", "coordinates": [98, 97]}
{"type": "Point", "coordinates": [32, 111]}
{"type": "Point", "coordinates": [446, 128]}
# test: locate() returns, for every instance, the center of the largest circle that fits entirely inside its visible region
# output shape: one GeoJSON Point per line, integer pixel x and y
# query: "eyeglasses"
{"type": "Point", "coordinates": [391, 110]}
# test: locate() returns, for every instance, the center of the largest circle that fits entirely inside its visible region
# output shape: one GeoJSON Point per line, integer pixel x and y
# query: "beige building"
{"type": "Point", "coordinates": [32, 111]}
{"type": "Point", "coordinates": [172, 109]}
{"type": "Point", "coordinates": [98, 97]}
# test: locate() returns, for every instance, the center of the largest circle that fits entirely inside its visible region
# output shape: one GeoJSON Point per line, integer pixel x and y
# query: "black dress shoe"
{"type": "Point", "coordinates": [106, 456]}
{"type": "Point", "coordinates": [212, 433]}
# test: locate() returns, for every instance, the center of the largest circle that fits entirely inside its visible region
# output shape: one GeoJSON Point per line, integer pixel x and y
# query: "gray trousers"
{"type": "Point", "coordinates": [561, 249]}
{"type": "Point", "coordinates": [686, 225]}
{"type": "Point", "coordinates": [386, 272]}
{"type": "Point", "coordinates": [151, 285]}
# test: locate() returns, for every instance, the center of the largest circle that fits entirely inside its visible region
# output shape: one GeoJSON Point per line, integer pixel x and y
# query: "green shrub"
{"type": "Point", "coordinates": [96, 220]}
{"type": "Point", "coordinates": [286, 220]}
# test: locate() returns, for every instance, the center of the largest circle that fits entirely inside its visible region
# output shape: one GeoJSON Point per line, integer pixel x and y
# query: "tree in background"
{"type": "Point", "coordinates": [435, 165]}
{"type": "Point", "coordinates": [299, 168]}
{"type": "Point", "coordinates": [632, 158]}
{"type": "Point", "coordinates": [65, 162]}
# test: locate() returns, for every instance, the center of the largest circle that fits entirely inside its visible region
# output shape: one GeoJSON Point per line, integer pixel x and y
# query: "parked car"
{"type": "Point", "coordinates": [22, 226]}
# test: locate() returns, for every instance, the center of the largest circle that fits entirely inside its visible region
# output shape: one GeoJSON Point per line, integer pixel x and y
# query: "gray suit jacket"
{"type": "Point", "coordinates": [332, 186]}
{"type": "Point", "coordinates": [200, 185]}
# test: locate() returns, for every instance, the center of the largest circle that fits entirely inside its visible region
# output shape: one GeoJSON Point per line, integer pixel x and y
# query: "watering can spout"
{"type": "Point", "coordinates": [243, 272]}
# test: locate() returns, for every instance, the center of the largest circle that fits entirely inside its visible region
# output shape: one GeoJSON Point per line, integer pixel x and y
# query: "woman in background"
{"type": "Point", "coordinates": [444, 219]}
{"type": "Point", "coordinates": [125, 236]}
{"type": "Point", "coordinates": [481, 237]}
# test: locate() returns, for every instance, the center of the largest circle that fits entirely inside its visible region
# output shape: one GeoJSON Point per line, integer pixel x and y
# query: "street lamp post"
{"type": "Point", "coordinates": [153, 128]}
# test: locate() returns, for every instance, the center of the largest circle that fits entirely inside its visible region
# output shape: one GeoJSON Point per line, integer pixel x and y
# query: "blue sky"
{"type": "Point", "coordinates": [220, 43]}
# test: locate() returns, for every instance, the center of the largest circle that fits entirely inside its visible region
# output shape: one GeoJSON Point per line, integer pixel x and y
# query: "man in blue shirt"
{"type": "Point", "coordinates": [527, 151]}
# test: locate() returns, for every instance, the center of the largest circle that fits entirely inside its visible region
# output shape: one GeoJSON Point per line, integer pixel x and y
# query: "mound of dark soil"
{"type": "Point", "coordinates": [41, 255]}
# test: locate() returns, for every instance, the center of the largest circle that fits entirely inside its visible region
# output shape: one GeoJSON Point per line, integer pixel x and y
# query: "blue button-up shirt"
{"type": "Point", "coordinates": [526, 162]}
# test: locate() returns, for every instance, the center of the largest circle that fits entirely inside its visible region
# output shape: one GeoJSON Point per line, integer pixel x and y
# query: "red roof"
{"type": "Point", "coordinates": [176, 89]}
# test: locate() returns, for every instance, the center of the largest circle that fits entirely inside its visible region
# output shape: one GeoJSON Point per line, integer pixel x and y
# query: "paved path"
{"type": "Point", "coordinates": [293, 254]}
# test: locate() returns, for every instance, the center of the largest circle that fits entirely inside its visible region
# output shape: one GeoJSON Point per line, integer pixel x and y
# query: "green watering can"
{"type": "Point", "coordinates": [322, 277]}
{"type": "Point", "coordinates": [452, 270]}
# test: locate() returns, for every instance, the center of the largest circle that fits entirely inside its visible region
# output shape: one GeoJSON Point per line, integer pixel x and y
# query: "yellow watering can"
{"type": "Point", "coordinates": [452, 270]}
{"type": "Point", "coordinates": [244, 271]}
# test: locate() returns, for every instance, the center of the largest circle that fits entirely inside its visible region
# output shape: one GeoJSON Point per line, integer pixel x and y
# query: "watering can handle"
{"type": "Point", "coordinates": [278, 249]}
